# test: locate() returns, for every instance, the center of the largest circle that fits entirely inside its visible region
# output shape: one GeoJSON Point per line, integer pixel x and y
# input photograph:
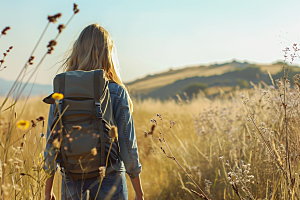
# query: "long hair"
{"type": "Point", "coordinates": [93, 50]}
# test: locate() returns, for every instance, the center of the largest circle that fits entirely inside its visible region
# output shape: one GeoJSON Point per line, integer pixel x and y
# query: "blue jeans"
{"type": "Point", "coordinates": [76, 190]}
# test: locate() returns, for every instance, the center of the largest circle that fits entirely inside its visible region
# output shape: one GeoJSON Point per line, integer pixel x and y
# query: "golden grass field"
{"type": "Point", "coordinates": [242, 144]}
{"type": "Point", "coordinates": [205, 130]}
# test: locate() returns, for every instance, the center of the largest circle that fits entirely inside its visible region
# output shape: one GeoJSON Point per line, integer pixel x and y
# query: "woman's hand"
{"type": "Point", "coordinates": [50, 196]}
{"type": "Point", "coordinates": [136, 183]}
{"type": "Point", "coordinates": [139, 198]}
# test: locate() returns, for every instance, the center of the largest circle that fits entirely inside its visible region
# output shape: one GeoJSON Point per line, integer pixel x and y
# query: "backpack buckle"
{"type": "Point", "coordinates": [98, 110]}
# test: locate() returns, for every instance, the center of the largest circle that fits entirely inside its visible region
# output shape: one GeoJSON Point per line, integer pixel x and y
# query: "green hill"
{"type": "Point", "coordinates": [206, 78]}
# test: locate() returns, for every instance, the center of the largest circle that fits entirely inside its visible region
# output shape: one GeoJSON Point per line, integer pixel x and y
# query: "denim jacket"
{"type": "Point", "coordinates": [127, 140]}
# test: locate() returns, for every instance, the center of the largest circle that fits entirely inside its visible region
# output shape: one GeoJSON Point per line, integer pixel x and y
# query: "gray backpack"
{"type": "Point", "coordinates": [85, 123]}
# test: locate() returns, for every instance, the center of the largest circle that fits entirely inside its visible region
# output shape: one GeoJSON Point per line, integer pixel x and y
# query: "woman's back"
{"type": "Point", "coordinates": [91, 51]}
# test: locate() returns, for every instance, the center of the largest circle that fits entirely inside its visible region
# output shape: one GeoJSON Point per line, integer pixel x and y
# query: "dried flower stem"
{"type": "Point", "coordinates": [172, 156]}
{"type": "Point", "coordinates": [204, 196]}
{"type": "Point", "coordinates": [24, 68]}
{"type": "Point", "coordinates": [4, 31]}
{"type": "Point", "coordinates": [286, 122]}
{"type": "Point", "coordinates": [58, 120]}
{"type": "Point", "coordinates": [4, 55]}
{"type": "Point", "coordinates": [245, 187]}
{"type": "Point", "coordinates": [20, 90]}
{"type": "Point", "coordinates": [265, 142]}
{"type": "Point", "coordinates": [16, 90]}
{"type": "Point", "coordinates": [196, 193]}
{"type": "Point", "coordinates": [105, 170]}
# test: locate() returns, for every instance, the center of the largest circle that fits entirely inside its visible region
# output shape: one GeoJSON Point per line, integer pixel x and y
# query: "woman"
{"type": "Point", "coordinates": [93, 50]}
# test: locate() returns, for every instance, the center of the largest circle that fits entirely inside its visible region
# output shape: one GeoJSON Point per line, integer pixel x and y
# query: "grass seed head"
{"type": "Point", "coordinates": [75, 8]}
{"type": "Point", "coordinates": [4, 30]}
{"type": "Point", "coordinates": [152, 130]}
{"type": "Point", "coordinates": [56, 143]}
{"type": "Point", "coordinates": [77, 128]}
{"type": "Point", "coordinates": [50, 46]}
{"type": "Point", "coordinates": [113, 132]}
{"type": "Point", "coordinates": [41, 118]}
{"type": "Point", "coordinates": [33, 124]}
{"type": "Point", "coordinates": [102, 171]}
{"type": "Point", "coordinates": [60, 28]}
{"type": "Point", "coordinates": [94, 151]}
{"type": "Point", "coordinates": [53, 18]}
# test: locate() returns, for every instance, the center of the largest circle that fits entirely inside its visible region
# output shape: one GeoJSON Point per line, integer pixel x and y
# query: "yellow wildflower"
{"type": "Point", "coordinates": [57, 96]}
{"type": "Point", "coordinates": [40, 158]}
{"type": "Point", "coordinates": [23, 124]}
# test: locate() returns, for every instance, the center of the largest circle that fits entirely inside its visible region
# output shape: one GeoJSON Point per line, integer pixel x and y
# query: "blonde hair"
{"type": "Point", "coordinates": [93, 50]}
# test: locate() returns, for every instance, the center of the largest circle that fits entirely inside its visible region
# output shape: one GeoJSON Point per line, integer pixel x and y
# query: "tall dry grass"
{"type": "Point", "coordinates": [232, 147]}
{"type": "Point", "coordinates": [205, 130]}
{"type": "Point", "coordinates": [243, 145]}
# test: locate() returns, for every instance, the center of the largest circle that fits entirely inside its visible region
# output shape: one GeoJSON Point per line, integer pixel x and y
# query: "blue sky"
{"type": "Point", "coordinates": [153, 36]}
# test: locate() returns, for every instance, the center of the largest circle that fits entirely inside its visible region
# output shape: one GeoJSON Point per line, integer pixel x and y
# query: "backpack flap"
{"type": "Point", "coordinates": [49, 99]}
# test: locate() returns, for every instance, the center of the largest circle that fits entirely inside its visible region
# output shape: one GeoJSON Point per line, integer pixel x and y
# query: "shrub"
{"type": "Point", "coordinates": [194, 88]}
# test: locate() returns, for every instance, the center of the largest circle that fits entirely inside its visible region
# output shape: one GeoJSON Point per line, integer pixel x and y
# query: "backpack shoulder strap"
{"type": "Point", "coordinates": [99, 115]}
